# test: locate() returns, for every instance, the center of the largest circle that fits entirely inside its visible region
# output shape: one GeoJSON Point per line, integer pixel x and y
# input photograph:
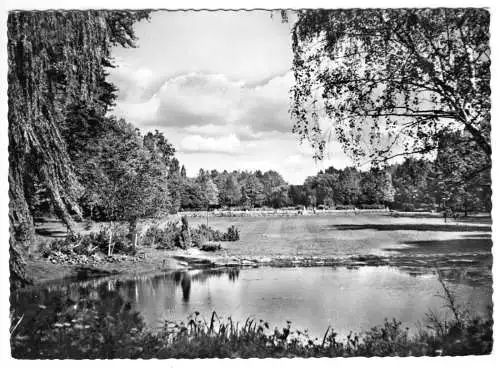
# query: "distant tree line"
{"type": "Point", "coordinates": [126, 176]}
{"type": "Point", "coordinates": [452, 180]}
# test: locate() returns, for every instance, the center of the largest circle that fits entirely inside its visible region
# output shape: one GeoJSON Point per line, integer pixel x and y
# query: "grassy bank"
{"type": "Point", "coordinates": [341, 240]}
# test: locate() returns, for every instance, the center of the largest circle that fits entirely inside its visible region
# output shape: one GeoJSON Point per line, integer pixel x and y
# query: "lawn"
{"type": "Point", "coordinates": [351, 235]}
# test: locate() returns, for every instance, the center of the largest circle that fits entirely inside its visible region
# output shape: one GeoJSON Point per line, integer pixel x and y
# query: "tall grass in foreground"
{"type": "Point", "coordinates": [90, 329]}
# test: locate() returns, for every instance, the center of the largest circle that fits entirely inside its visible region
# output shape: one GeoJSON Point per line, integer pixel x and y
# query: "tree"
{"type": "Point", "coordinates": [412, 184]}
{"type": "Point", "coordinates": [457, 181]}
{"type": "Point", "coordinates": [297, 195]}
{"type": "Point", "coordinates": [158, 145]}
{"type": "Point", "coordinates": [385, 189]}
{"type": "Point", "coordinates": [396, 77]}
{"type": "Point", "coordinates": [192, 196]}
{"type": "Point", "coordinates": [349, 185]}
{"type": "Point", "coordinates": [175, 182]}
{"type": "Point", "coordinates": [253, 191]}
{"type": "Point", "coordinates": [136, 182]}
{"type": "Point", "coordinates": [271, 181]}
{"type": "Point", "coordinates": [232, 191]}
{"type": "Point", "coordinates": [55, 59]}
{"type": "Point", "coordinates": [279, 197]}
{"type": "Point", "coordinates": [211, 192]}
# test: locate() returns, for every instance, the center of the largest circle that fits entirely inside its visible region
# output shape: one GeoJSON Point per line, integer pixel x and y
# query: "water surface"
{"type": "Point", "coordinates": [312, 298]}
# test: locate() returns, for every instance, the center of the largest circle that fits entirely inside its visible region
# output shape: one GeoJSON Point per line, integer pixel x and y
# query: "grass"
{"type": "Point", "coordinates": [342, 234]}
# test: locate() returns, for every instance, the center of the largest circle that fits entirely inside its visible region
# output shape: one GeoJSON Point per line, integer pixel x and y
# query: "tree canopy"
{"type": "Point", "coordinates": [389, 82]}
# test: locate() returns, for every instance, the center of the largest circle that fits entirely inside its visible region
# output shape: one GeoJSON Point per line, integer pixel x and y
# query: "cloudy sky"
{"type": "Point", "coordinates": [216, 84]}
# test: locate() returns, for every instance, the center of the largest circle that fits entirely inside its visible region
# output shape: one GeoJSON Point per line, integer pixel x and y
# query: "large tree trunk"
{"type": "Point", "coordinates": [21, 232]}
{"type": "Point", "coordinates": [18, 277]}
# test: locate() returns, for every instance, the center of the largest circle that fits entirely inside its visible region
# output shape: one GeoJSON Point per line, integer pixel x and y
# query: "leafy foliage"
{"type": "Point", "coordinates": [57, 60]}
{"type": "Point", "coordinates": [92, 243]}
{"type": "Point", "coordinates": [398, 77]}
{"type": "Point", "coordinates": [204, 233]}
{"type": "Point", "coordinates": [461, 179]}
{"type": "Point", "coordinates": [174, 235]}
{"type": "Point", "coordinates": [167, 237]}
{"type": "Point", "coordinates": [48, 75]}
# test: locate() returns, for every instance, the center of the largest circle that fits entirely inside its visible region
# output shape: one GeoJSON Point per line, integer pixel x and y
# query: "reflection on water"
{"type": "Point", "coordinates": [184, 279]}
{"type": "Point", "coordinates": [312, 298]}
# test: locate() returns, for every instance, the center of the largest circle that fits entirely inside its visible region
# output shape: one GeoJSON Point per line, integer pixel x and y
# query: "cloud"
{"type": "Point", "coordinates": [209, 104]}
{"type": "Point", "coordinates": [295, 160]}
{"type": "Point", "coordinates": [197, 143]}
{"type": "Point", "coordinates": [133, 83]}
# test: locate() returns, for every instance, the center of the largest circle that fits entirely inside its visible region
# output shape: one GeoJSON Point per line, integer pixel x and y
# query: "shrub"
{"type": "Point", "coordinates": [211, 247]}
{"type": "Point", "coordinates": [232, 234]}
{"type": "Point", "coordinates": [161, 238]}
{"type": "Point", "coordinates": [171, 236]}
{"type": "Point", "coordinates": [91, 243]}
{"type": "Point", "coordinates": [203, 233]}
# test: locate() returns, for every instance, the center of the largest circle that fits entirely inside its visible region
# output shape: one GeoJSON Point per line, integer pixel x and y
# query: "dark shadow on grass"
{"type": "Point", "coordinates": [466, 245]}
{"type": "Point", "coordinates": [409, 227]}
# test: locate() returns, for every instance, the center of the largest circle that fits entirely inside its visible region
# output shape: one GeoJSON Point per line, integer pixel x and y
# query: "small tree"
{"type": "Point", "coordinates": [136, 185]}
{"type": "Point", "coordinates": [211, 194]}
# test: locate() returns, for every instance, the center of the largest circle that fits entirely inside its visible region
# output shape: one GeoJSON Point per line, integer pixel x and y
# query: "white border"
{"type": "Point", "coordinates": [483, 361]}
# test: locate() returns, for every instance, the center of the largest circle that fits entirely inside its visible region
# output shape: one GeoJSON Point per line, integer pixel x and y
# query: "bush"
{"type": "Point", "coordinates": [203, 234]}
{"type": "Point", "coordinates": [211, 247]}
{"type": "Point", "coordinates": [161, 238]}
{"type": "Point", "coordinates": [91, 243]}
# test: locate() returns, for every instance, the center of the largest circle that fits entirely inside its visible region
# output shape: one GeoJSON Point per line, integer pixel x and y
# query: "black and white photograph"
{"type": "Point", "coordinates": [248, 183]}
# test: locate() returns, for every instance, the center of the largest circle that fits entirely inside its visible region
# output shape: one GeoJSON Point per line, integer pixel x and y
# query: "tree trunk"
{"type": "Point", "coordinates": [132, 231]}
{"type": "Point", "coordinates": [109, 244]}
{"type": "Point", "coordinates": [18, 277]}
{"type": "Point", "coordinates": [21, 233]}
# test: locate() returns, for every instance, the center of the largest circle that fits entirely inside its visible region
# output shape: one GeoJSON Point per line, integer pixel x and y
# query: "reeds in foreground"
{"type": "Point", "coordinates": [88, 330]}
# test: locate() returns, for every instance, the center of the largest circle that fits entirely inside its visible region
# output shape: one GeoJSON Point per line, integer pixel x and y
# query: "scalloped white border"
{"type": "Point", "coordinates": [5, 5]}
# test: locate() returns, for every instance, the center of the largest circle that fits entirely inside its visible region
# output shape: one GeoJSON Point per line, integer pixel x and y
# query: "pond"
{"type": "Point", "coordinates": [312, 298]}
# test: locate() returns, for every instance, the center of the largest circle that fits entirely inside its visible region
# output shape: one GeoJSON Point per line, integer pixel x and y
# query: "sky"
{"type": "Point", "coordinates": [217, 85]}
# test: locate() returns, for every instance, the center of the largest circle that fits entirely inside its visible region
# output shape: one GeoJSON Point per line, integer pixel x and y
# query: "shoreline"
{"type": "Point", "coordinates": [417, 259]}
{"type": "Point", "coordinates": [160, 261]}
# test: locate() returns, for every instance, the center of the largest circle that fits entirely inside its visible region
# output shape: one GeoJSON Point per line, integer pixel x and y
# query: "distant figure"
{"type": "Point", "coordinates": [447, 213]}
